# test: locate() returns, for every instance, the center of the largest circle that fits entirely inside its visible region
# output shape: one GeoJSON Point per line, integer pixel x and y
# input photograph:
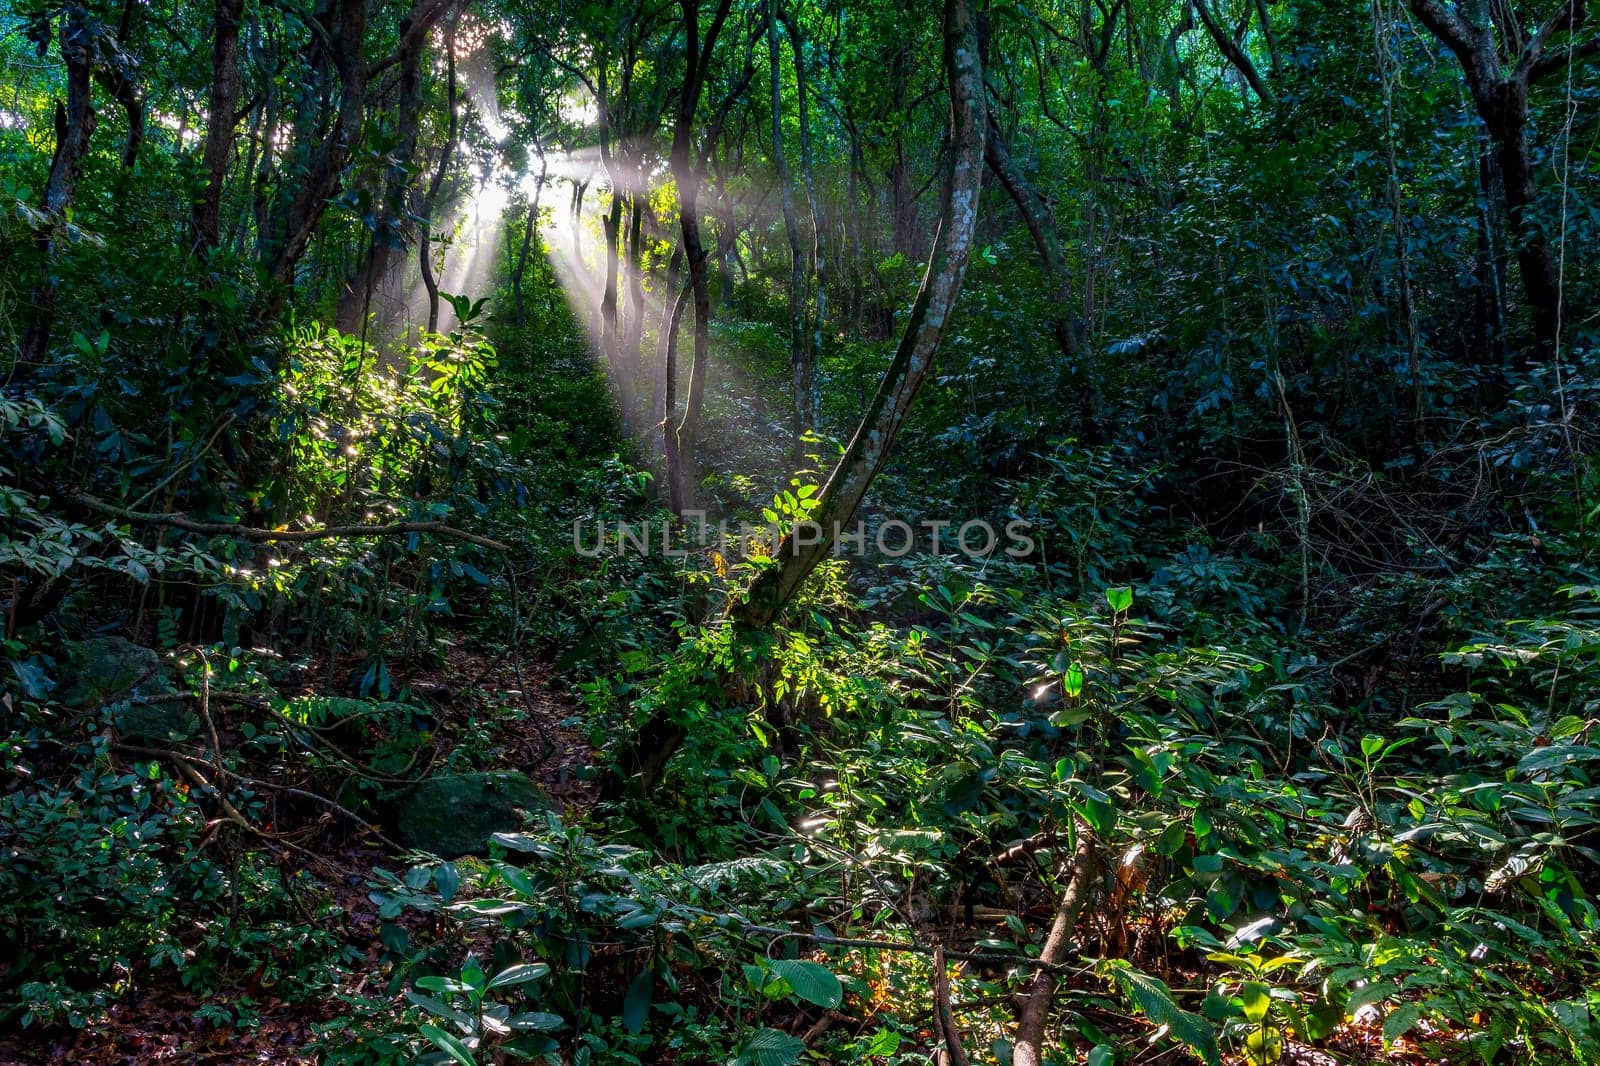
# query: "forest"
{"type": "Point", "coordinates": [763, 532]}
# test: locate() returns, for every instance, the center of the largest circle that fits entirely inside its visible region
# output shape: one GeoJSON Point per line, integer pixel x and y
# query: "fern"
{"type": "Point", "coordinates": [1154, 998]}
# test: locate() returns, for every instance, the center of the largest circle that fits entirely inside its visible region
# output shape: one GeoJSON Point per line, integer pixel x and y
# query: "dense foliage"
{"type": "Point", "coordinates": [418, 647]}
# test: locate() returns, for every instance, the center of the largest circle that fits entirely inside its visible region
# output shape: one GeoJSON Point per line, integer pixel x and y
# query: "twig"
{"type": "Point", "coordinates": [177, 520]}
{"type": "Point", "coordinates": [253, 782]}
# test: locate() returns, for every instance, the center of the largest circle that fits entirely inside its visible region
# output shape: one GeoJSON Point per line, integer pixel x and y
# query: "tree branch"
{"type": "Point", "coordinates": [285, 536]}
{"type": "Point", "coordinates": [1572, 15]}
{"type": "Point", "coordinates": [1233, 52]}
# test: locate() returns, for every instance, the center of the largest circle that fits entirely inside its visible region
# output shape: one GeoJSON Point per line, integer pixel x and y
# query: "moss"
{"type": "Point", "coordinates": [157, 721]}
{"type": "Point", "coordinates": [101, 668]}
{"type": "Point", "coordinates": [454, 814]}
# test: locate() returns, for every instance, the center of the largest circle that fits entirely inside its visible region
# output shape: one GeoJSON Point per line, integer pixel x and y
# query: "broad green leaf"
{"type": "Point", "coordinates": [521, 973]}
{"type": "Point", "coordinates": [1400, 1020]}
{"type": "Point", "coordinates": [1256, 999]}
{"type": "Point", "coordinates": [636, 1003]}
{"type": "Point", "coordinates": [771, 1047]}
{"type": "Point", "coordinates": [811, 981]}
{"type": "Point", "coordinates": [449, 1044]}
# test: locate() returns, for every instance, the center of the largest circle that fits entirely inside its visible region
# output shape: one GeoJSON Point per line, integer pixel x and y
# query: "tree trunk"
{"type": "Point", "coordinates": [1489, 261]}
{"type": "Point", "coordinates": [529, 225]}
{"type": "Point", "coordinates": [75, 123]}
{"type": "Point", "coordinates": [430, 201]}
{"type": "Point", "coordinates": [610, 338]}
{"type": "Point", "coordinates": [219, 125]}
{"type": "Point", "coordinates": [913, 358]}
{"type": "Point", "coordinates": [295, 221]}
{"type": "Point", "coordinates": [666, 362]}
{"type": "Point", "coordinates": [633, 332]}
{"type": "Point", "coordinates": [1502, 102]}
{"type": "Point", "coordinates": [800, 418]}
{"type": "Point", "coordinates": [1036, 215]}
{"type": "Point", "coordinates": [393, 228]}
{"type": "Point", "coordinates": [819, 258]}
{"type": "Point", "coordinates": [1233, 52]}
{"type": "Point", "coordinates": [1535, 258]}
{"type": "Point", "coordinates": [686, 174]}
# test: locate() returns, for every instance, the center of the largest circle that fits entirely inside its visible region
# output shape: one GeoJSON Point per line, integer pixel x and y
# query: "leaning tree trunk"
{"type": "Point", "coordinates": [1036, 215]}
{"type": "Point", "coordinates": [913, 359]}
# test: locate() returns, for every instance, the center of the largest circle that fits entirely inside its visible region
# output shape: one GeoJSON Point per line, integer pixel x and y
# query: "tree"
{"type": "Point", "coordinates": [800, 367]}
{"type": "Point", "coordinates": [800, 551]}
{"type": "Point", "coordinates": [88, 51]}
{"type": "Point", "coordinates": [687, 167]}
{"type": "Point", "coordinates": [219, 124]}
{"type": "Point", "coordinates": [1478, 42]}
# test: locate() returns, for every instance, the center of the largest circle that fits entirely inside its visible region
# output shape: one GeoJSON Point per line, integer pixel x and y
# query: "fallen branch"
{"type": "Point", "coordinates": [1033, 1014]}
{"type": "Point", "coordinates": [177, 520]}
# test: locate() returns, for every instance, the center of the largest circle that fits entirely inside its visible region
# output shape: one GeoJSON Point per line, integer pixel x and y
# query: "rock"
{"type": "Point", "coordinates": [451, 815]}
{"type": "Point", "coordinates": [155, 721]}
{"type": "Point", "coordinates": [102, 668]}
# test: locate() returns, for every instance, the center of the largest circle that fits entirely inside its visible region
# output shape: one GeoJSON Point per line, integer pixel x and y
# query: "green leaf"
{"type": "Point", "coordinates": [1256, 999]}
{"type": "Point", "coordinates": [811, 981]}
{"type": "Point", "coordinates": [1102, 1055]}
{"type": "Point", "coordinates": [449, 1044]}
{"type": "Point", "coordinates": [884, 1042]}
{"type": "Point", "coordinates": [1154, 998]}
{"type": "Point", "coordinates": [771, 1047]}
{"type": "Point", "coordinates": [443, 985]}
{"type": "Point", "coordinates": [536, 1021]}
{"type": "Point", "coordinates": [1400, 1021]}
{"type": "Point", "coordinates": [521, 973]}
{"type": "Point", "coordinates": [1072, 681]}
{"type": "Point", "coordinates": [433, 1006]}
{"type": "Point", "coordinates": [636, 1004]}
{"type": "Point", "coordinates": [1120, 599]}
{"type": "Point", "coordinates": [1263, 1046]}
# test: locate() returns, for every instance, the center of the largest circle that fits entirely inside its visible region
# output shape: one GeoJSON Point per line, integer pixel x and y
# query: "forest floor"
{"type": "Point", "coordinates": [162, 1022]}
